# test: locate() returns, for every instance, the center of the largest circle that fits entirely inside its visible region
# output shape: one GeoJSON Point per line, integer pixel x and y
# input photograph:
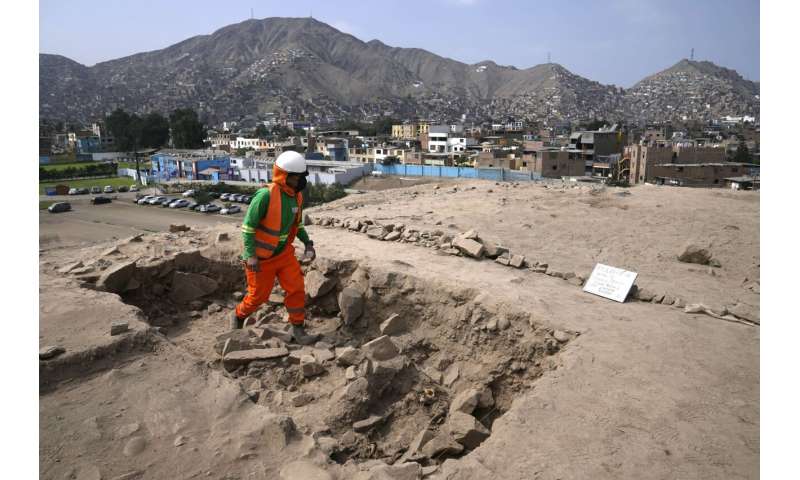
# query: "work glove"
{"type": "Point", "coordinates": [252, 264]}
{"type": "Point", "coordinates": [309, 254]}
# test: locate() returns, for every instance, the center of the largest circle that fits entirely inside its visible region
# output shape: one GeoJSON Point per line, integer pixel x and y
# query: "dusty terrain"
{"type": "Point", "coordinates": [569, 385]}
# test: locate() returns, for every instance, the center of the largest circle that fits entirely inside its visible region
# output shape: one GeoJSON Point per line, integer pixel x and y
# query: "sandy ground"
{"type": "Point", "coordinates": [645, 391]}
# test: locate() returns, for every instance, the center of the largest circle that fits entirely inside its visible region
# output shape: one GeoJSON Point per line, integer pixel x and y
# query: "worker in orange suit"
{"type": "Point", "coordinates": [273, 220]}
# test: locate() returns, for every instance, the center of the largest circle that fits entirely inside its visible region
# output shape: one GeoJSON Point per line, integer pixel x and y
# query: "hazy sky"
{"type": "Point", "coordinates": [611, 41]}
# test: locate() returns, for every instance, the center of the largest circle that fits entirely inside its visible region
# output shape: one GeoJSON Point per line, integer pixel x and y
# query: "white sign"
{"type": "Point", "coordinates": [610, 282]}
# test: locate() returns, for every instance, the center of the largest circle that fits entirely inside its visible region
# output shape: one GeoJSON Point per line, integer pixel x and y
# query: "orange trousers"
{"type": "Point", "coordinates": [259, 286]}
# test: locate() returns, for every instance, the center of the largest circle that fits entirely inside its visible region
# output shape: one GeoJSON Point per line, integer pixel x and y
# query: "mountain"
{"type": "Point", "coordinates": [304, 66]}
{"type": "Point", "coordinates": [695, 89]}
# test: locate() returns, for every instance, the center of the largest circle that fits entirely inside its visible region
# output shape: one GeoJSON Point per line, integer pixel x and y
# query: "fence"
{"type": "Point", "coordinates": [496, 174]}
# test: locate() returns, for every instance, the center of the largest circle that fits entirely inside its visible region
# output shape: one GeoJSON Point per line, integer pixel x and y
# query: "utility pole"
{"type": "Point", "coordinates": [548, 57]}
{"type": "Point", "coordinates": [691, 57]}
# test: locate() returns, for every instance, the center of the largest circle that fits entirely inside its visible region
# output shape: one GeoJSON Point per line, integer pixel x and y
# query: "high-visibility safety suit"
{"type": "Point", "coordinates": [273, 220]}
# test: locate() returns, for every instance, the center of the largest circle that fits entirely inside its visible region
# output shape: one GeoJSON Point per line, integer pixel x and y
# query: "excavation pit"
{"type": "Point", "coordinates": [399, 363]}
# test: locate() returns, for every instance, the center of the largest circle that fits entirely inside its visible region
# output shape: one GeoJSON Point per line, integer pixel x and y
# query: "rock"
{"type": "Point", "coordinates": [465, 401]}
{"type": "Point", "coordinates": [492, 250]}
{"type": "Point", "coordinates": [303, 470]}
{"type": "Point", "coordinates": [714, 263]}
{"type": "Point", "coordinates": [222, 237]}
{"type": "Point", "coordinates": [322, 354]}
{"type": "Point", "coordinates": [351, 304]}
{"type": "Point", "coordinates": [393, 236]}
{"type": "Point", "coordinates": [746, 312]}
{"type": "Point", "coordinates": [118, 328]}
{"type": "Point", "coordinates": [351, 373]}
{"type": "Point", "coordinates": [52, 351]}
{"type": "Point", "coordinates": [310, 367]}
{"type": "Point", "coordinates": [644, 294]}
{"type": "Point", "coordinates": [466, 429]}
{"type": "Point", "coordinates": [180, 441]}
{"type": "Point", "coordinates": [503, 323]}
{"type": "Point", "coordinates": [111, 251]}
{"type": "Point", "coordinates": [517, 261]}
{"type": "Point", "coordinates": [367, 423]}
{"type": "Point", "coordinates": [431, 469]}
{"type": "Point", "coordinates": [561, 336]}
{"type": "Point", "coordinates": [679, 303]}
{"type": "Point", "coordinates": [693, 253]}
{"type": "Point", "coordinates": [134, 446]}
{"type": "Point", "coordinates": [470, 235]}
{"type": "Point", "coordinates": [349, 356]}
{"type": "Point", "coordinates": [127, 430]}
{"type": "Point", "coordinates": [115, 278]}
{"type": "Point", "coordinates": [468, 247]}
{"type": "Point", "coordinates": [190, 286]}
{"type": "Point", "coordinates": [441, 444]}
{"type": "Point", "coordinates": [132, 475]}
{"type": "Point", "coordinates": [485, 398]}
{"type": "Point", "coordinates": [238, 296]}
{"type": "Point", "coordinates": [136, 238]}
{"type": "Point", "coordinates": [240, 340]}
{"type": "Point", "coordinates": [178, 228]}
{"type": "Point", "coordinates": [451, 375]}
{"type": "Point", "coordinates": [380, 349]}
{"type": "Point", "coordinates": [575, 280]}
{"type": "Point", "coordinates": [398, 471]}
{"type": "Point", "coordinates": [414, 447]}
{"type": "Point", "coordinates": [317, 284]}
{"type": "Point", "coordinates": [377, 232]}
{"type": "Point", "coordinates": [132, 285]}
{"type": "Point", "coordinates": [657, 298]}
{"type": "Point", "coordinates": [668, 300]}
{"type": "Point", "coordinates": [214, 308]}
{"type": "Point", "coordinates": [70, 267]}
{"type": "Point", "coordinates": [302, 399]}
{"type": "Point", "coordinates": [231, 360]}
{"type": "Point", "coordinates": [394, 325]}
{"type": "Point", "coordinates": [503, 259]}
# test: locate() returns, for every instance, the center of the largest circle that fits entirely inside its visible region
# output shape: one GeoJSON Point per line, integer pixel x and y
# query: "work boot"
{"type": "Point", "coordinates": [235, 322]}
{"type": "Point", "coordinates": [298, 335]}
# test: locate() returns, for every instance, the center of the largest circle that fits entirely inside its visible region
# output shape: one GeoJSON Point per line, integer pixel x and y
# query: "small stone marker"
{"type": "Point", "coordinates": [610, 282]}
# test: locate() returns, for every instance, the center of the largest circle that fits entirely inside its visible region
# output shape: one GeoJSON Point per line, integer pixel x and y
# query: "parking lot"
{"type": "Point", "coordinates": [87, 223]}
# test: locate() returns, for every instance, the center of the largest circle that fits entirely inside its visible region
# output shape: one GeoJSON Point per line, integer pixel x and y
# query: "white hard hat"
{"type": "Point", "coordinates": [291, 162]}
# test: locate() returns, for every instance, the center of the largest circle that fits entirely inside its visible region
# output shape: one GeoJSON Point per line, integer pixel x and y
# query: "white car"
{"type": "Point", "coordinates": [157, 200]}
{"type": "Point", "coordinates": [108, 189]}
{"type": "Point", "coordinates": [189, 193]}
{"type": "Point", "coordinates": [145, 199]}
{"type": "Point", "coordinates": [73, 191]}
{"type": "Point", "coordinates": [230, 210]}
{"type": "Point", "coordinates": [134, 188]}
{"type": "Point", "coordinates": [179, 203]}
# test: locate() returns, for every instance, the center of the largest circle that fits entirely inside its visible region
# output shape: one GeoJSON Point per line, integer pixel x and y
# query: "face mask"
{"type": "Point", "coordinates": [301, 184]}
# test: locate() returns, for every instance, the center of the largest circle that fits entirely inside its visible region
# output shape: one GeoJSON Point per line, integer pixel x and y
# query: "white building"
{"type": "Point", "coordinates": [254, 143]}
{"type": "Point", "coordinates": [437, 138]}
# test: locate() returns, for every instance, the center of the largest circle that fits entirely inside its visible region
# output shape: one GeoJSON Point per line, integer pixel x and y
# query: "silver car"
{"type": "Point", "coordinates": [180, 203]}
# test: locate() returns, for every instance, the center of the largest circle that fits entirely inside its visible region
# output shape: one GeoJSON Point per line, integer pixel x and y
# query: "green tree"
{"type": "Point", "coordinates": [187, 130]}
{"type": "Point", "coordinates": [742, 153]}
{"type": "Point", "coordinates": [261, 131]}
{"type": "Point", "coordinates": [127, 132]}
{"type": "Point", "coordinates": [154, 130]}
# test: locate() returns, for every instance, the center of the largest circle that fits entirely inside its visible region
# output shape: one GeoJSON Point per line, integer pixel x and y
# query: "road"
{"type": "Point", "coordinates": [87, 224]}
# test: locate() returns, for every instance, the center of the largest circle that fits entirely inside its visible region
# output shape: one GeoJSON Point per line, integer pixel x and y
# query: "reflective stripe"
{"type": "Point", "coordinates": [283, 237]}
{"type": "Point", "coordinates": [268, 230]}
{"type": "Point", "coordinates": [265, 246]}
{"type": "Point", "coordinates": [248, 229]}
{"type": "Point", "coordinates": [295, 309]}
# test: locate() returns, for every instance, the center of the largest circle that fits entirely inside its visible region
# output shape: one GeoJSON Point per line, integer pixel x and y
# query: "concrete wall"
{"type": "Point", "coordinates": [699, 155]}
{"type": "Point", "coordinates": [557, 164]}
{"type": "Point", "coordinates": [696, 175]}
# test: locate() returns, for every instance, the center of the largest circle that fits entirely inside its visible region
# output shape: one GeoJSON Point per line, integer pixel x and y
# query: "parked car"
{"type": "Point", "coordinates": [123, 188]}
{"type": "Point", "coordinates": [96, 190]}
{"type": "Point", "coordinates": [157, 200]}
{"type": "Point", "coordinates": [83, 191]}
{"type": "Point", "coordinates": [213, 194]}
{"type": "Point", "coordinates": [247, 199]}
{"type": "Point", "coordinates": [209, 208]}
{"type": "Point", "coordinates": [189, 193]}
{"type": "Point", "coordinates": [72, 191]}
{"type": "Point", "coordinates": [108, 189]}
{"type": "Point", "coordinates": [179, 203]}
{"type": "Point", "coordinates": [99, 200]}
{"type": "Point", "coordinates": [59, 207]}
{"type": "Point", "coordinates": [145, 199]}
{"type": "Point", "coordinates": [134, 188]}
{"type": "Point", "coordinates": [230, 210]}
{"type": "Point", "coordinates": [192, 205]}
{"type": "Point", "coordinates": [224, 196]}
{"type": "Point", "coordinates": [167, 201]}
